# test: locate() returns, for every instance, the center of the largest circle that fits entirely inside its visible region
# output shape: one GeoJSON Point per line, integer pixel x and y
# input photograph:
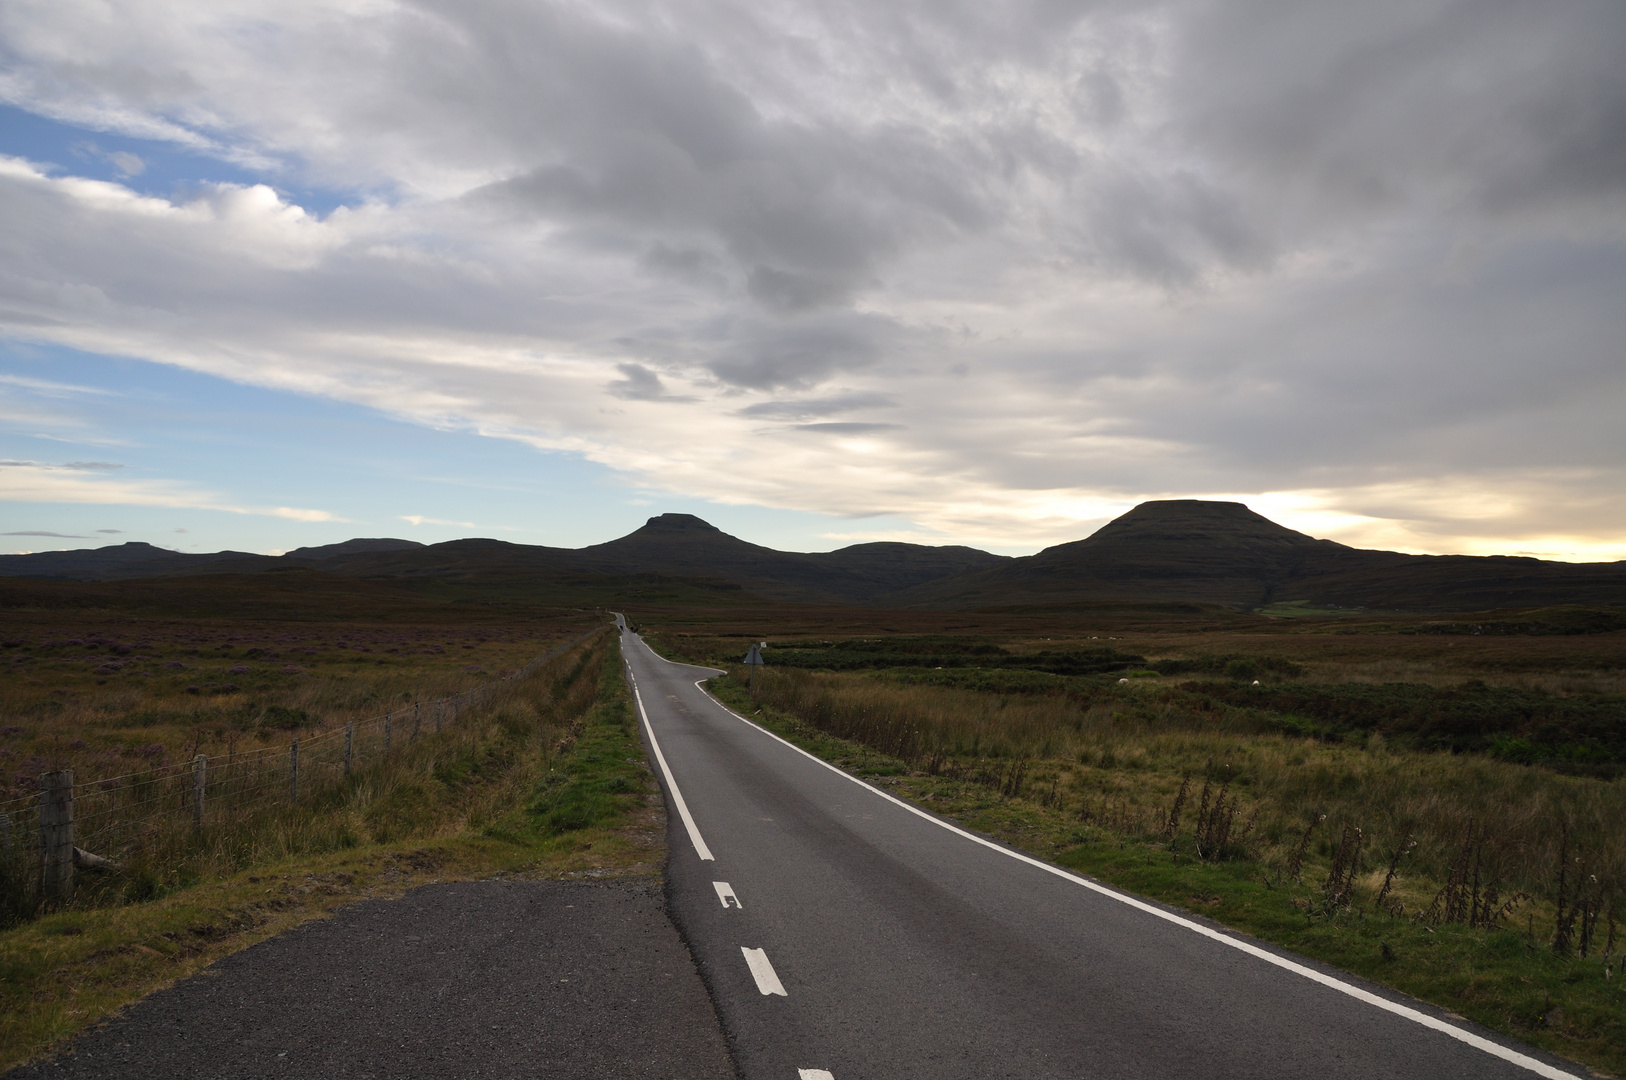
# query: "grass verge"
{"type": "Point", "coordinates": [1505, 979]}
{"type": "Point", "coordinates": [529, 791]}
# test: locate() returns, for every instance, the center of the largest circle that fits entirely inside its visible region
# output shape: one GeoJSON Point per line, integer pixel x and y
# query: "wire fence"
{"type": "Point", "coordinates": [68, 825]}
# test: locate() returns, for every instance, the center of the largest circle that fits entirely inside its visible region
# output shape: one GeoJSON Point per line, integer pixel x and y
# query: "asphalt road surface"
{"type": "Point", "coordinates": [844, 934]}
{"type": "Point", "coordinates": [450, 982]}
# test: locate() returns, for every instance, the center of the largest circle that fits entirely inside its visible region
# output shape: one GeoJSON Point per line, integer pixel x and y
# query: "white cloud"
{"type": "Point", "coordinates": [418, 519]}
{"type": "Point", "coordinates": [999, 272]}
{"type": "Point", "coordinates": [49, 388]}
{"type": "Point", "coordinates": [126, 163]}
{"type": "Point", "coordinates": [37, 482]}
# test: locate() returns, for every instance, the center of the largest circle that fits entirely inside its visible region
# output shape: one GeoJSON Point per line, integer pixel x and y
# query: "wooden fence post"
{"type": "Point", "coordinates": [200, 781]}
{"type": "Point", "coordinates": [5, 834]}
{"type": "Point", "coordinates": [438, 703]}
{"type": "Point", "coordinates": [386, 734]}
{"type": "Point", "coordinates": [293, 772]}
{"type": "Point", "coordinates": [415, 719]}
{"type": "Point", "coordinates": [349, 742]}
{"type": "Point", "coordinates": [56, 835]}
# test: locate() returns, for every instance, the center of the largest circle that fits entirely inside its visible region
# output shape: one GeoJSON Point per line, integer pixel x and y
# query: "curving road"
{"type": "Point", "coordinates": [845, 934]}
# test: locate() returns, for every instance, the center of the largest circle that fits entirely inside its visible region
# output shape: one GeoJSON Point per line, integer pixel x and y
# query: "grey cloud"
{"type": "Point", "coordinates": [1169, 229]}
{"type": "Point", "coordinates": [795, 292]}
{"type": "Point", "coordinates": [1345, 110]}
{"type": "Point", "coordinates": [803, 352]}
{"type": "Point", "coordinates": [638, 383]}
{"type": "Point", "coordinates": [807, 408]}
{"type": "Point", "coordinates": [693, 265]}
{"type": "Point", "coordinates": [37, 532]}
{"type": "Point", "coordinates": [848, 428]}
{"type": "Point", "coordinates": [642, 133]}
{"type": "Point", "coordinates": [100, 466]}
{"type": "Point", "coordinates": [1099, 97]}
{"type": "Point", "coordinates": [111, 532]}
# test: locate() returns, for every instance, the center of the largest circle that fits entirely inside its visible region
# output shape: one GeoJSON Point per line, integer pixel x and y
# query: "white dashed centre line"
{"type": "Point", "coordinates": [815, 1074]}
{"type": "Point", "coordinates": [763, 973]}
{"type": "Point", "coordinates": [725, 893]}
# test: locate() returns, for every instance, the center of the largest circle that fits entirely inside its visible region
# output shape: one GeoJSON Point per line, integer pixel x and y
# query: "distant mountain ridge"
{"type": "Point", "coordinates": [672, 545]}
{"type": "Point", "coordinates": [1183, 550]}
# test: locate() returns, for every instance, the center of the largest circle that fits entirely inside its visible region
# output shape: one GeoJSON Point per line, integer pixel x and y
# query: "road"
{"type": "Point", "coordinates": [846, 935]}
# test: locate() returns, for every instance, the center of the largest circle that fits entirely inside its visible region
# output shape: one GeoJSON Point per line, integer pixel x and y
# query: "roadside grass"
{"type": "Point", "coordinates": [1121, 751]}
{"type": "Point", "coordinates": [550, 783]}
{"type": "Point", "coordinates": [107, 693]}
{"type": "Point", "coordinates": [1106, 816]}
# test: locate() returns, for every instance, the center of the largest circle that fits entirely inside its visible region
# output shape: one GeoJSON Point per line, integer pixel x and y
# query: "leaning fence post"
{"type": "Point", "coordinates": [349, 741]}
{"type": "Point", "coordinates": [200, 780]}
{"type": "Point", "coordinates": [386, 734]}
{"type": "Point", "coordinates": [56, 834]}
{"type": "Point", "coordinates": [293, 772]}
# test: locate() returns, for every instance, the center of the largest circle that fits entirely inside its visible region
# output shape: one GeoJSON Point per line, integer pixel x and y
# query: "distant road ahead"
{"type": "Point", "coordinates": [843, 933]}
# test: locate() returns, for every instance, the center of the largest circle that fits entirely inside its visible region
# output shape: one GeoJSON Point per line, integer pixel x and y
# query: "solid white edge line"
{"type": "Point", "coordinates": [1540, 1068]}
{"type": "Point", "coordinates": [763, 972]}
{"type": "Point", "coordinates": [671, 785]}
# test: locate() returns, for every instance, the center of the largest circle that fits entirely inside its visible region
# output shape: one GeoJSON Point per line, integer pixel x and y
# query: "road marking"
{"type": "Point", "coordinates": [725, 893]}
{"type": "Point", "coordinates": [671, 785]}
{"type": "Point", "coordinates": [815, 1074]}
{"type": "Point", "coordinates": [1497, 1050]}
{"type": "Point", "coordinates": [762, 971]}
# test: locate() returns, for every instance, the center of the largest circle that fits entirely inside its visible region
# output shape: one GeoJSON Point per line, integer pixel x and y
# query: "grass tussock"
{"type": "Point", "coordinates": [1126, 758]}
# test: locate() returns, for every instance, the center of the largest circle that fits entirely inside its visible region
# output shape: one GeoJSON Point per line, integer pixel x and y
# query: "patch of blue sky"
{"type": "Point", "coordinates": [199, 449]}
{"type": "Point", "coordinates": [153, 167]}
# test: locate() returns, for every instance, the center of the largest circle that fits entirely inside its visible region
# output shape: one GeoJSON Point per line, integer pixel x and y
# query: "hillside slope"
{"type": "Point", "coordinates": [1224, 553]}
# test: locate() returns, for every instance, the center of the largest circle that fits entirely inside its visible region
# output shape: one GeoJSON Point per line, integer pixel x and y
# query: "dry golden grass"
{"type": "Point", "coordinates": [1127, 759]}
{"type": "Point", "coordinates": [107, 695]}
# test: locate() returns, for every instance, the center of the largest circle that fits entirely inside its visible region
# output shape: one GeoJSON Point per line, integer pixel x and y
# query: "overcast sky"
{"type": "Point", "coordinates": [279, 273]}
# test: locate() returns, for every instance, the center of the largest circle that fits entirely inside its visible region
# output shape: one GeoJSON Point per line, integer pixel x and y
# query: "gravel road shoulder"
{"type": "Point", "coordinates": [473, 980]}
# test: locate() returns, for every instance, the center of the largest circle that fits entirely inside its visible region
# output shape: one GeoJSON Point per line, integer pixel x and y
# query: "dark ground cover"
{"type": "Point", "coordinates": [943, 651]}
{"type": "Point", "coordinates": [109, 679]}
{"type": "Point", "coordinates": [1574, 731]}
{"type": "Point", "coordinates": [1577, 731]}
